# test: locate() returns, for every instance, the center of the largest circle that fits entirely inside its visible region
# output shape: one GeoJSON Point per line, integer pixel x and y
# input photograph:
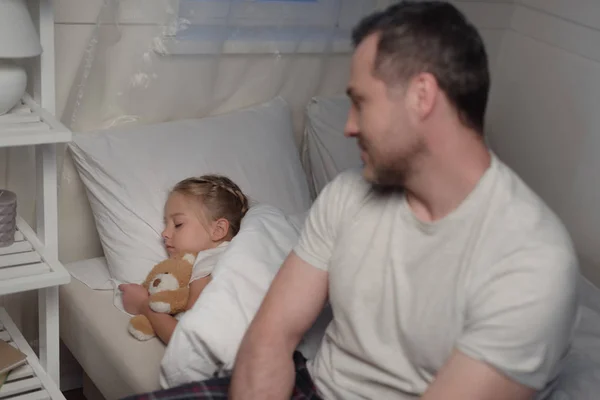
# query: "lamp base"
{"type": "Point", "coordinates": [13, 83]}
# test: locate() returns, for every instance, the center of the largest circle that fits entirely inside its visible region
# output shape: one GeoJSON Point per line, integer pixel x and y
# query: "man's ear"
{"type": "Point", "coordinates": [422, 95]}
{"type": "Point", "coordinates": [220, 229]}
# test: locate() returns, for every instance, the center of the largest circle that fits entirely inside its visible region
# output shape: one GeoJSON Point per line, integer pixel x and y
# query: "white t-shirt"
{"type": "Point", "coordinates": [495, 279]}
{"type": "Point", "coordinates": [206, 261]}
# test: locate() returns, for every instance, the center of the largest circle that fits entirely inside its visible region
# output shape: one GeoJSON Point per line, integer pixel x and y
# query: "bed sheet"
{"type": "Point", "coordinates": [96, 334]}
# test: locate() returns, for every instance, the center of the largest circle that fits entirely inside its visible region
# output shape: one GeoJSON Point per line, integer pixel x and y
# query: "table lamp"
{"type": "Point", "coordinates": [18, 39]}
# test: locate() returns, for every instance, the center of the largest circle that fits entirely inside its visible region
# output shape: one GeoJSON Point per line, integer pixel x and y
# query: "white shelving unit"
{"type": "Point", "coordinates": [30, 381]}
{"type": "Point", "coordinates": [31, 263]}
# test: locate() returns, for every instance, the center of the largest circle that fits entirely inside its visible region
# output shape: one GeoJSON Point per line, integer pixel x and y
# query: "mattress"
{"type": "Point", "coordinates": [95, 331]}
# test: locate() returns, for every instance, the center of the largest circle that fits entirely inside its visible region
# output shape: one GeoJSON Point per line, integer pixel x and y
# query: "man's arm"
{"type": "Point", "coordinates": [264, 368]}
{"type": "Point", "coordinates": [465, 378]}
{"type": "Point", "coordinates": [519, 320]}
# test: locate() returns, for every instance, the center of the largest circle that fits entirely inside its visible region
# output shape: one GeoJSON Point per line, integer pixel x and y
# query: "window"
{"type": "Point", "coordinates": [263, 26]}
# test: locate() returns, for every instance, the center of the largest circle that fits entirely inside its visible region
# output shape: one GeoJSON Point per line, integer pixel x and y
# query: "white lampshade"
{"type": "Point", "coordinates": [18, 37]}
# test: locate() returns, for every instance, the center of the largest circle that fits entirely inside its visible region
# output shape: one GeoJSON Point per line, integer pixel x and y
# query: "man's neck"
{"type": "Point", "coordinates": [444, 179]}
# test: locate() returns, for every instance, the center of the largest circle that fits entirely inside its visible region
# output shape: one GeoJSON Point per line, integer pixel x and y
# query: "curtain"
{"type": "Point", "coordinates": [193, 58]}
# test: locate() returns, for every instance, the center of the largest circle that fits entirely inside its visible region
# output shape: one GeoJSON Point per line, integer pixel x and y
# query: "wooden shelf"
{"type": "Point", "coordinates": [28, 382]}
{"type": "Point", "coordinates": [28, 124]}
{"type": "Point", "coordinates": [23, 265]}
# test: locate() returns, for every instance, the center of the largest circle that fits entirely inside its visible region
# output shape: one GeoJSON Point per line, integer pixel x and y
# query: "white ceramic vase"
{"type": "Point", "coordinates": [13, 82]}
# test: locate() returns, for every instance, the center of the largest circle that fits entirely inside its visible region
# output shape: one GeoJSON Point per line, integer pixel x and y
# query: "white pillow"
{"type": "Point", "coordinates": [128, 171]}
{"type": "Point", "coordinates": [207, 337]}
{"type": "Point", "coordinates": [326, 151]}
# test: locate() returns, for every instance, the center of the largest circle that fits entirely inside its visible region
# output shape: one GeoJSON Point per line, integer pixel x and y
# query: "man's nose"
{"type": "Point", "coordinates": [351, 127]}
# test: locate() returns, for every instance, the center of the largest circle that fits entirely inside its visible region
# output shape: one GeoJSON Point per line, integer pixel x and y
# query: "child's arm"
{"type": "Point", "coordinates": [164, 324]}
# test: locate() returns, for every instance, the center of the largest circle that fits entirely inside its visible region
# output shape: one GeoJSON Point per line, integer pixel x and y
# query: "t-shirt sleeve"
{"type": "Point", "coordinates": [202, 272]}
{"type": "Point", "coordinates": [206, 261]}
{"type": "Point", "coordinates": [326, 216]}
{"type": "Point", "coordinates": [521, 316]}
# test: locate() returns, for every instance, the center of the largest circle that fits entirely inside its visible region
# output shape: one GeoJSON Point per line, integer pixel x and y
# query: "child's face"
{"type": "Point", "coordinates": [184, 228]}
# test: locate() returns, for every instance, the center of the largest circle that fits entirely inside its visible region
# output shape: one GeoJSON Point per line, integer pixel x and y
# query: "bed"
{"type": "Point", "coordinates": [255, 147]}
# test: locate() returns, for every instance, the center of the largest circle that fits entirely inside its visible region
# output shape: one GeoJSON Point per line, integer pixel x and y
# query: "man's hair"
{"type": "Point", "coordinates": [433, 37]}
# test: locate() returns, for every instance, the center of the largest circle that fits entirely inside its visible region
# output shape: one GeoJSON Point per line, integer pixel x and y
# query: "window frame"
{"type": "Point", "coordinates": [261, 26]}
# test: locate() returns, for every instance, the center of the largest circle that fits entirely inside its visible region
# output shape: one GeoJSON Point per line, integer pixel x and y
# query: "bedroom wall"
{"type": "Point", "coordinates": [75, 21]}
{"type": "Point", "coordinates": [543, 117]}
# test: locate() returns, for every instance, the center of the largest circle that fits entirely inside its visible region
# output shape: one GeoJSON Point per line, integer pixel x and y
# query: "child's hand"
{"type": "Point", "coordinates": [135, 298]}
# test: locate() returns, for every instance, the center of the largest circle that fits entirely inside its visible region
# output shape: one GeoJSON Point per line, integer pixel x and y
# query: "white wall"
{"type": "Point", "coordinates": [544, 117]}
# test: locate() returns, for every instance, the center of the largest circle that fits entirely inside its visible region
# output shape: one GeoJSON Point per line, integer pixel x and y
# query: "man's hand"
{"type": "Point", "coordinates": [135, 298]}
{"type": "Point", "coordinates": [465, 378]}
{"type": "Point", "coordinates": [264, 368]}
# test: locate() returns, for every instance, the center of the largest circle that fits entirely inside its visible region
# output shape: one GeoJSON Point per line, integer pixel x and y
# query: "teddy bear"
{"type": "Point", "coordinates": [168, 286]}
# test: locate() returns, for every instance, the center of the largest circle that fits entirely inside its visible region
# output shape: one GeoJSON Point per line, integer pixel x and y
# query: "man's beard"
{"type": "Point", "coordinates": [394, 172]}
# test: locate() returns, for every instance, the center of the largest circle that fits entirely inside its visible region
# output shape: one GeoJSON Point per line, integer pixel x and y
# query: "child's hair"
{"type": "Point", "coordinates": [221, 197]}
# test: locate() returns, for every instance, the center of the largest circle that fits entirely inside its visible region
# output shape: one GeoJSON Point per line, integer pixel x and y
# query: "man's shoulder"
{"type": "Point", "coordinates": [525, 229]}
{"type": "Point", "coordinates": [520, 209]}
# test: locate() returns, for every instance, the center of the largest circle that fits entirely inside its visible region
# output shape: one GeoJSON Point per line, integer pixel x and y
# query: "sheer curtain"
{"type": "Point", "coordinates": [193, 58]}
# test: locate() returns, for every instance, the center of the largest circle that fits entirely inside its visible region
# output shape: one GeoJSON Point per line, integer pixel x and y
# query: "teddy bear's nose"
{"type": "Point", "coordinates": [156, 282]}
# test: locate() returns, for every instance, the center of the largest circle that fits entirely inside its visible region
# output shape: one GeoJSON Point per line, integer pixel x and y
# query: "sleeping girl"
{"type": "Point", "coordinates": [202, 215]}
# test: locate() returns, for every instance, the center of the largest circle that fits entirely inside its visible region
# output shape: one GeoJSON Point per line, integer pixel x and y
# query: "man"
{"type": "Point", "coordinates": [448, 278]}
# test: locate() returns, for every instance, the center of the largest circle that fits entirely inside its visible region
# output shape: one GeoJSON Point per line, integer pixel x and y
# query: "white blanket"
{"type": "Point", "coordinates": [207, 337]}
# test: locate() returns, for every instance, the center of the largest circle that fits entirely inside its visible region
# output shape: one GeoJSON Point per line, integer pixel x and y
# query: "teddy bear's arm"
{"type": "Point", "coordinates": [170, 301]}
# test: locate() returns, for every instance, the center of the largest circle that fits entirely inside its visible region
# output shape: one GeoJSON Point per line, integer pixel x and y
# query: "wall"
{"type": "Point", "coordinates": [75, 21]}
{"type": "Point", "coordinates": [543, 117]}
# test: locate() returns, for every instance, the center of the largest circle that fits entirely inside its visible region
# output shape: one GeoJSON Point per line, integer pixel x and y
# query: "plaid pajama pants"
{"type": "Point", "coordinates": [218, 388]}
